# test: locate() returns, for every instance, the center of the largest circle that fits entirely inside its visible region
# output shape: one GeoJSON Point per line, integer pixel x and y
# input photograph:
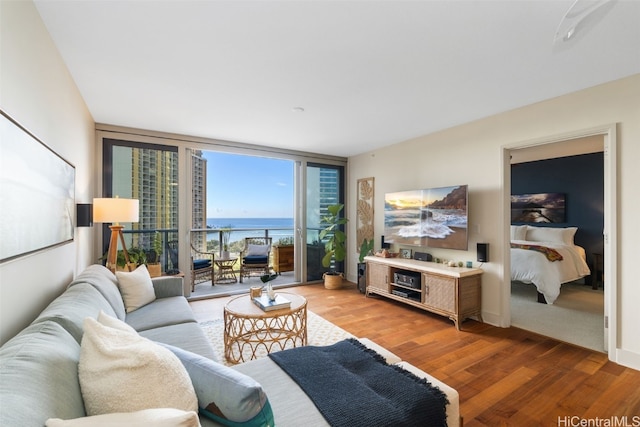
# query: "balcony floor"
{"type": "Point", "coordinates": [205, 290]}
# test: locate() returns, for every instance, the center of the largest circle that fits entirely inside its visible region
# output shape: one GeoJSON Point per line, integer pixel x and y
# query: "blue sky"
{"type": "Point", "coordinates": [248, 187]}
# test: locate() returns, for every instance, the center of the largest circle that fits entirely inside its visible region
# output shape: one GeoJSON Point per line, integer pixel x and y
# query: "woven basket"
{"type": "Point", "coordinates": [333, 281]}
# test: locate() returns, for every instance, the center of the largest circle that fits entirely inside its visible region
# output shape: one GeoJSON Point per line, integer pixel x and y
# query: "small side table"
{"type": "Point", "coordinates": [250, 331]}
{"type": "Point", "coordinates": [225, 273]}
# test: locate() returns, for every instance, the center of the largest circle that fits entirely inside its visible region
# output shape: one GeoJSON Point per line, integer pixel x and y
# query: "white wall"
{"type": "Point", "coordinates": [472, 154]}
{"type": "Point", "coordinates": [37, 91]}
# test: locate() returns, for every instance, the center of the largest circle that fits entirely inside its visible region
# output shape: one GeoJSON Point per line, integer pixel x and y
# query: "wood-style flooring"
{"type": "Point", "coordinates": [505, 376]}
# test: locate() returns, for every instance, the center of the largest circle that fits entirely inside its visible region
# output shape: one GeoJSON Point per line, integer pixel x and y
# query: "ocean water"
{"type": "Point", "coordinates": [250, 227]}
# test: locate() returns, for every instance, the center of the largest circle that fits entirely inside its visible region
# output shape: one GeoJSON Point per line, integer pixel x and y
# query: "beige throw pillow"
{"type": "Point", "coordinates": [120, 371]}
{"type": "Point", "coordinates": [157, 417]}
{"type": "Point", "coordinates": [136, 288]}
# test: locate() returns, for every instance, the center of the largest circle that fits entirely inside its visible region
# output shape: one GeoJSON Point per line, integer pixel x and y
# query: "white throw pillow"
{"type": "Point", "coordinates": [136, 288]}
{"type": "Point", "coordinates": [257, 250]}
{"type": "Point", "coordinates": [551, 235]}
{"type": "Point", "coordinates": [518, 232]}
{"type": "Point", "coordinates": [157, 417]}
{"type": "Point", "coordinates": [120, 371]}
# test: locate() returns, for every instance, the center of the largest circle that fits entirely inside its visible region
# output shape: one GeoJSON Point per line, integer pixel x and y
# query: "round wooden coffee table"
{"type": "Point", "coordinates": [250, 332]}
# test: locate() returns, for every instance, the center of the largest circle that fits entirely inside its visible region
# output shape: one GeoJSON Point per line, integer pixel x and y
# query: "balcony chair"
{"type": "Point", "coordinates": [255, 257]}
{"type": "Point", "coordinates": [201, 267]}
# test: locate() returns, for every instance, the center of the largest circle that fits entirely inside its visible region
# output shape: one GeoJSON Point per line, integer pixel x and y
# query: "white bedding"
{"type": "Point", "coordinates": [530, 266]}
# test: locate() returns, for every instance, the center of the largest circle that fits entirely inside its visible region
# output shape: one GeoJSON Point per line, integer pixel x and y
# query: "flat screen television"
{"type": "Point", "coordinates": [432, 217]}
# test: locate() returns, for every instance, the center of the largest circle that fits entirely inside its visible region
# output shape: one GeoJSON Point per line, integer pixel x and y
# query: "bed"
{"type": "Point", "coordinates": [546, 257]}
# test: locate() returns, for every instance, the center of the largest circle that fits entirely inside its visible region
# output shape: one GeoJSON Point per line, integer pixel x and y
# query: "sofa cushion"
{"type": "Point", "coordinates": [255, 259]}
{"type": "Point", "coordinates": [224, 395]}
{"type": "Point", "coordinates": [163, 312]}
{"type": "Point", "coordinates": [73, 306]}
{"type": "Point", "coordinates": [201, 263]}
{"type": "Point", "coordinates": [136, 288]}
{"type": "Point", "coordinates": [111, 358]}
{"type": "Point", "coordinates": [188, 336]}
{"type": "Point", "coordinates": [156, 417]}
{"type": "Point", "coordinates": [106, 283]}
{"type": "Point", "coordinates": [39, 376]}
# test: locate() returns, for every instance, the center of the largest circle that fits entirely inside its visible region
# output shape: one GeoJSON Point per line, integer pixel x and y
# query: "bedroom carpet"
{"type": "Point", "coordinates": [320, 332]}
{"type": "Point", "coordinates": [576, 317]}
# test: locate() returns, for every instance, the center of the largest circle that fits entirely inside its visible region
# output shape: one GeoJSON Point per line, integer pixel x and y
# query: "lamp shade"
{"type": "Point", "coordinates": [115, 210]}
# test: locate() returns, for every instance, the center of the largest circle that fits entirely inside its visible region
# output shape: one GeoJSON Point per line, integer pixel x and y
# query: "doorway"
{"type": "Point", "coordinates": [606, 134]}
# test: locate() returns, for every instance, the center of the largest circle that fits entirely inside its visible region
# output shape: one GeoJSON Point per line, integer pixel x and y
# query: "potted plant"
{"type": "Point", "coordinates": [267, 278]}
{"type": "Point", "coordinates": [137, 257]}
{"type": "Point", "coordinates": [153, 257]}
{"type": "Point", "coordinates": [335, 249]}
{"type": "Point", "coordinates": [366, 248]}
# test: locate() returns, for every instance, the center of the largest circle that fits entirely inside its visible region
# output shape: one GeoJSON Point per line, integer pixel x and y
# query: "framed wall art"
{"type": "Point", "coordinates": [538, 208]}
{"type": "Point", "coordinates": [405, 253]}
{"type": "Point", "coordinates": [364, 227]}
{"type": "Point", "coordinates": [37, 189]}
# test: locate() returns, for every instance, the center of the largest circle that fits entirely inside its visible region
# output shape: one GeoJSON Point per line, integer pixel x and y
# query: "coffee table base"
{"type": "Point", "coordinates": [249, 337]}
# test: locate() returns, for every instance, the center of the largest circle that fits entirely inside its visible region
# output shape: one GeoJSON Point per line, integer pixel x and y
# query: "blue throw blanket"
{"type": "Point", "coordinates": [352, 386]}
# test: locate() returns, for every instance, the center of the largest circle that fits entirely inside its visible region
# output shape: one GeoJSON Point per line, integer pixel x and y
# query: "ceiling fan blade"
{"type": "Point", "coordinates": [575, 18]}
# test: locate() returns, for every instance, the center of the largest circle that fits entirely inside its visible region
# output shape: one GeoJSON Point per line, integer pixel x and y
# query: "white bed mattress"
{"type": "Point", "coordinates": [529, 266]}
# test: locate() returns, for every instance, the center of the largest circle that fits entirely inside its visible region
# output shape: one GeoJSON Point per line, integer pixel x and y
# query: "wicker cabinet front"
{"type": "Point", "coordinates": [378, 276]}
{"type": "Point", "coordinates": [439, 292]}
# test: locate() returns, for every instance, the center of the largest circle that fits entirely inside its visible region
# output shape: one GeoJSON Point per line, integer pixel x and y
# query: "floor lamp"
{"type": "Point", "coordinates": [114, 210]}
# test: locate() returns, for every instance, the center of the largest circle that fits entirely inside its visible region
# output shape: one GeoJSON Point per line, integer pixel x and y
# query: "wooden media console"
{"type": "Point", "coordinates": [455, 292]}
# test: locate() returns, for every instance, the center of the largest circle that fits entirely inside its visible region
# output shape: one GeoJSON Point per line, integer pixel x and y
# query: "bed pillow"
{"type": "Point", "coordinates": [518, 232]}
{"type": "Point", "coordinates": [552, 235]}
{"type": "Point", "coordinates": [156, 417]}
{"type": "Point", "coordinates": [225, 395]}
{"type": "Point", "coordinates": [111, 358]}
{"type": "Point", "coordinates": [136, 288]}
{"type": "Point", "coordinates": [257, 250]}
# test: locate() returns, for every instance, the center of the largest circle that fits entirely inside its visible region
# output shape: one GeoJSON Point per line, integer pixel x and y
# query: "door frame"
{"type": "Point", "coordinates": [610, 232]}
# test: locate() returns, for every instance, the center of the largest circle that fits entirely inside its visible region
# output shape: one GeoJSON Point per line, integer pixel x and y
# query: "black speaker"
{"type": "Point", "coordinates": [483, 252]}
{"type": "Point", "coordinates": [84, 215]}
{"type": "Point", "coordinates": [362, 277]}
{"type": "Point", "coordinates": [384, 245]}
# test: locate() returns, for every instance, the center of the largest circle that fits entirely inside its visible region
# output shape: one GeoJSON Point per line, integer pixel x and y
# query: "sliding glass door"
{"type": "Point", "coordinates": [324, 184]}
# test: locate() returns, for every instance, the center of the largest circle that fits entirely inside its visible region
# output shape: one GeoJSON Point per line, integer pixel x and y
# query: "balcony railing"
{"type": "Point", "coordinates": [210, 243]}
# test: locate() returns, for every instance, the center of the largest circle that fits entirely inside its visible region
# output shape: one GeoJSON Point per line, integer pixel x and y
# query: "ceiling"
{"type": "Point", "coordinates": [367, 74]}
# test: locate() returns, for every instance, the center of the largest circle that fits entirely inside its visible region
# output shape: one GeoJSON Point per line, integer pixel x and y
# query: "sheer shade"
{"type": "Point", "coordinates": [115, 210]}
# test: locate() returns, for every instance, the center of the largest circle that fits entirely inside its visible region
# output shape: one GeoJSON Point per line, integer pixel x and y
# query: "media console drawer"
{"type": "Point", "coordinates": [455, 292]}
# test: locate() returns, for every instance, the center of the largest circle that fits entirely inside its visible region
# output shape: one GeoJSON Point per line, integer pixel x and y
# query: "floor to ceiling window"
{"type": "Point", "coordinates": [149, 173]}
{"type": "Point", "coordinates": [324, 188]}
{"type": "Point", "coordinates": [258, 192]}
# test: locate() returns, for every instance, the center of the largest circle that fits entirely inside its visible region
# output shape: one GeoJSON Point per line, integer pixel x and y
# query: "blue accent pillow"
{"type": "Point", "coordinates": [224, 395]}
{"type": "Point", "coordinates": [255, 259]}
{"type": "Point", "coordinates": [201, 263]}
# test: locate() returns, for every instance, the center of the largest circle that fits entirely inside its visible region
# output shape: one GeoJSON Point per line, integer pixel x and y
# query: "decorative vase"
{"type": "Point", "coordinates": [270, 292]}
{"type": "Point", "coordinates": [225, 254]}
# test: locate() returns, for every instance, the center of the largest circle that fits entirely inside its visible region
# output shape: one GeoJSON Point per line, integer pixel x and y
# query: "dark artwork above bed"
{"type": "Point", "coordinates": [538, 208]}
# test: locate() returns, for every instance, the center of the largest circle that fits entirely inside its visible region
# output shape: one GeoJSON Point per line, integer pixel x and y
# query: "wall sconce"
{"type": "Point", "coordinates": [84, 215]}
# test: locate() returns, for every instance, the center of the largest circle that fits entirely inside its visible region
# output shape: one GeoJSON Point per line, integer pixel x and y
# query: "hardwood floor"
{"type": "Point", "coordinates": [504, 376]}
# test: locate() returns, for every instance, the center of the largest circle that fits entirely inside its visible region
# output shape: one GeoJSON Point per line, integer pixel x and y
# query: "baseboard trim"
{"type": "Point", "coordinates": [628, 358]}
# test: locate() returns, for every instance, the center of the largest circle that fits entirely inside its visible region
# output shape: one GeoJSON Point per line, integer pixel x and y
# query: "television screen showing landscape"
{"type": "Point", "coordinates": [434, 217]}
